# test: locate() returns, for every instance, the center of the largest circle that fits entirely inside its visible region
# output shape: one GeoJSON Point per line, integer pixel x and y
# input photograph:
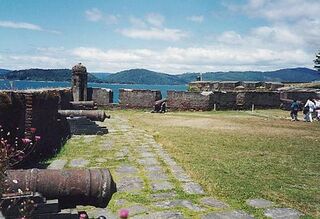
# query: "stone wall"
{"type": "Point", "coordinates": [183, 100]}
{"type": "Point", "coordinates": [233, 86]}
{"type": "Point", "coordinates": [129, 98]}
{"type": "Point", "coordinates": [42, 109]}
{"type": "Point", "coordinates": [300, 94]}
{"type": "Point", "coordinates": [101, 96]}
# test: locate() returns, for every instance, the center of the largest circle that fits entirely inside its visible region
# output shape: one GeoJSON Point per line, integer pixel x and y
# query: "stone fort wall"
{"type": "Point", "coordinates": [129, 98]}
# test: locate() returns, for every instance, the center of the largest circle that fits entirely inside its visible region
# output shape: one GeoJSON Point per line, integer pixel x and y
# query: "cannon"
{"type": "Point", "coordinates": [94, 115]}
{"type": "Point", "coordinates": [160, 106]}
{"type": "Point", "coordinates": [71, 187]}
{"type": "Point", "coordinates": [83, 105]}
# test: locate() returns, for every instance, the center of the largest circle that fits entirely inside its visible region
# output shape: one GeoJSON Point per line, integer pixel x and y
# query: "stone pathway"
{"type": "Point", "coordinates": [150, 183]}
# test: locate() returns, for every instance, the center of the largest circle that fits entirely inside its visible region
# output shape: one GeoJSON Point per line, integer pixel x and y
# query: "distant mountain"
{"type": "Point", "coordinates": [144, 76]}
{"type": "Point", "coordinates": [101, 75]}
{"type": "Point", "coordinates": [44, 75]}
{"type": "Point", "coordinates": [282, 75]}
{"type": "Point", "coordinates": [4, 71]}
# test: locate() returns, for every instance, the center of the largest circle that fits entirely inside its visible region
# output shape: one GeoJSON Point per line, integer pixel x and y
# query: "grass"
{"type": "Point", "coordinates": [242, 155]}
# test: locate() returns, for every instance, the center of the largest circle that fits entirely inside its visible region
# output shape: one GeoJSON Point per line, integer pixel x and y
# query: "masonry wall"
{"type": "Point", "coordinates": [183, 100]}
{"type": "Point", "coordinates": [301, 95]}
{"type": "Point", "coordinates": [129, 98]}
{"type": "Point", "coordinates": [101, 96]}
{"type": "Point", "coordinates": [52, 128]}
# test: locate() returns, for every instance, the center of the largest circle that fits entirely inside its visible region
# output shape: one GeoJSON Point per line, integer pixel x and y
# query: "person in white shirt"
{"type": "Point", "coordinates": [309, 109]}
{"type": "Point", "coordinates": [317, 103]}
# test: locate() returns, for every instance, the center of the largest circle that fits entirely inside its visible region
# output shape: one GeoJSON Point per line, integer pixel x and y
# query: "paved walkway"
{"type": "Point", "coordinates": [150, 183]}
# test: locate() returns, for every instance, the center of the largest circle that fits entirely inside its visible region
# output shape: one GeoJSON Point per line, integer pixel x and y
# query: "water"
{"type": "Point", "coordinates": [23, 85]}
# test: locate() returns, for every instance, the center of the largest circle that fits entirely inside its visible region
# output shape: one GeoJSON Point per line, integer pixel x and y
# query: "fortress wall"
{"type": "Point", "coordinates": [129, 98]}
{"type": "Point", "coordinates": [183, 100]}
{"type": "Point", "coordinates": [101, 96]}
{"type": "Point", "coordinates": [300, 95]}
{"type": "Point", "coordinates": [35, 109]}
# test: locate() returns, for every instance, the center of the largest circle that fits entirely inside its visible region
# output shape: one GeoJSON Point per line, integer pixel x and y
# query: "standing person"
{"type": "Point", "coordinates": [294, 110]}
{"type": "Point", "coordinates": [311, 107]}
{"type": "Point", "coordinates": [317, 103]}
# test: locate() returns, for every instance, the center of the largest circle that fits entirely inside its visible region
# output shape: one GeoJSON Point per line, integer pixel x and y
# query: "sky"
{"type": "Point", "coordinates": [172, 36]}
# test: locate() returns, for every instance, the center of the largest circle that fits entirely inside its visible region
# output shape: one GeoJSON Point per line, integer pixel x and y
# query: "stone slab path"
{"type": "Point", "coordinates": [151, 184]}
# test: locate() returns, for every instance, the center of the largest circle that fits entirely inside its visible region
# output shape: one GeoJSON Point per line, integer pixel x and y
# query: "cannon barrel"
{"type": "Point", "coordinates": [72, 187]}
{"type": "Point", "coordinates": [94, 115]}
{"type": "Point", "coordinates": [78, 105]}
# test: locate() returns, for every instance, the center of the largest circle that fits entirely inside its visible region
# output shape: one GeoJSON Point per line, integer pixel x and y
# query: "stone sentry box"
{"type": "Point", "coordinates": [79, 82]}
{"type": "Point", "coordinates": [129, 98]}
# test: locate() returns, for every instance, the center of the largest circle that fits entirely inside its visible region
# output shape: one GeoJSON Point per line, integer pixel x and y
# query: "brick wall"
{"type": "Point", "coordinates": [129, 98]}
{"type": "Point", "coordinates": [52, 128]}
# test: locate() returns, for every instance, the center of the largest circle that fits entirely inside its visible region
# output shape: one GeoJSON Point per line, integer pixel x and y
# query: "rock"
{"type": "Point", "coordinates": [259, 203]}
{"type": "Point", "coordinates": [178, 203]}
{"type": "Point", "coordinates": [161, 214]}
{"type": "Point", "coordinates": [213, 202]}
{"type": "Point", "coordinates": [192, 188]}
{"type": "Point", "coordinates": [161, 185]}
{"type": "Point", "coordinates": [57, 164]}
{"type": "Point", "coordinates": [227, 215]}
{"type": "Point", "coordinates": [130, 184]}
{"type": "Point", "coordinates": [78, 163]}
{"type": "Point", "coordinates": [282, 213]}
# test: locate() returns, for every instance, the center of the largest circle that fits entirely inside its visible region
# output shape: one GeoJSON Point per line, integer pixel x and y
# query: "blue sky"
{"type": "Point", "coordinates": [172, 36]}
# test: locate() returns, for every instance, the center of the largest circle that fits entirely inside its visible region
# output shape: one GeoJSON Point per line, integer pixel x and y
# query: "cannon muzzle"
{"type": "Point", "coordinates": [83, 105]}
{"type": "Point", "coordinates": [94, 115]}
{"type": "Point", "coordinates": [72, 187]}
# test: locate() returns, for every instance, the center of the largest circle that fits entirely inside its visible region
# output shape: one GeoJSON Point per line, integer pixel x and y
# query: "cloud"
{"type": "Point", "coordinates": [151, 28]}
{"type": "Point", "coordinates": [279, 10]}
{"type": "Point", "coordinates": [93, 14]}
{"type": "Point", "coordinates": [154, 33]}
{"type": "Point", "coordinates": [197, 19]}
{"type": "Point", "coordinates": [155, 19]}
{"type": "Point", "coordinates": [26, 26]}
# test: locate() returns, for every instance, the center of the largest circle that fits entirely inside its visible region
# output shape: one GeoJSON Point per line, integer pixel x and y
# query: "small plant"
{"type": "Point", "coordinates": [13, 150]}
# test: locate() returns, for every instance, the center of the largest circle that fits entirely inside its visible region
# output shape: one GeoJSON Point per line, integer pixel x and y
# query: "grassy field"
{"type": "Point", "coordinates": [242, 155]}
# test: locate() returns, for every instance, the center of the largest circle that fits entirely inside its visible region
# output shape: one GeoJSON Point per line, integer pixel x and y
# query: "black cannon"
{"type": "Point", "coordinates": [71, 187]}
{"type": "Point", "coordinates": [94, 115]}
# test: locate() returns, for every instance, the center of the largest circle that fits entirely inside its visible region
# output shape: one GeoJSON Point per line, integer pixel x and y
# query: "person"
{"type": "Point", "coordinates": [309, 108]}
{"type": "Point", "coordinates": [317, 103]}
{"type": "Point", "coordinates": [294, 110]}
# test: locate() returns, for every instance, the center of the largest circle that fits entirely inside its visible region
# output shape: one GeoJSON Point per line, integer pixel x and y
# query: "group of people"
{"type": "Point", "coordinates": [311, 110]}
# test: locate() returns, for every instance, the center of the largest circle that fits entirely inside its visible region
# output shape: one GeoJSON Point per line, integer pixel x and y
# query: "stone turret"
{"type": "Point", "coordinates": [79, 82]}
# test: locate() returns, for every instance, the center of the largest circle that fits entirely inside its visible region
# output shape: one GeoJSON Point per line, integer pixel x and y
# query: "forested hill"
{"type": "Point", "coordinates": [282, 75]}
{"type": "Point", "coordinates": [44, 75]}
{"type": "Point", "coordinates": [144, 76]}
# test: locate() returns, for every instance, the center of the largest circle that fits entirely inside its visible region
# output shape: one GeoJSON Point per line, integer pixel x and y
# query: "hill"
{"type": "Point", "coordinates": [4, 71]}
{"type": "Point", "coordinates": [282, 75]}
{"type": "Point", "coordinates": [144, 76]}
{"type": "Point", "coordinates": [44, 75]}
{"type": "Point", "coordinates": [101, 75]}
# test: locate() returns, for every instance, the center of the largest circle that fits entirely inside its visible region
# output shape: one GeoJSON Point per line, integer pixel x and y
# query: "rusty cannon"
{"type": "Point", "coordinates": [94, 115]}
{"type": "Point", "coordinates": [83, 105]}
{"type": "Point", "coordinates": [71, 187]}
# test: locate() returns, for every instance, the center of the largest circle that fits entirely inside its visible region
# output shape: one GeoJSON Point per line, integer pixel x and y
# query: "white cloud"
{"type": "Point", "coordinates": [96, 15]}
{"type": "Point", "coordinates": [154, 33]}
{"type": "Point", "coordinates": [279, 10]}
{"type": "Point", "coordinates": [93, 14]}
{"type": "Point", "coordinates": [155, 19]}
{"type": "Point", "coordinates": [26, 26]}
{"type": "Point", "coordinates": [197, 19]}
{"type": "Point", "coordinates": [151, 28]}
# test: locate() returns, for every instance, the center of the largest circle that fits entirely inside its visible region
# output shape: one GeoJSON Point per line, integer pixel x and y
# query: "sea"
{"type": "Point", "coordinates": [24, 85]}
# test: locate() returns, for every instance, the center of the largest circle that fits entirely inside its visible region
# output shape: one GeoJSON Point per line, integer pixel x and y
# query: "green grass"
{"type": "Point", "coordinates": [242, 155]}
